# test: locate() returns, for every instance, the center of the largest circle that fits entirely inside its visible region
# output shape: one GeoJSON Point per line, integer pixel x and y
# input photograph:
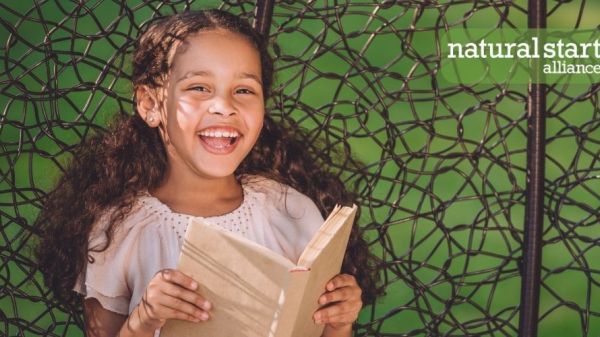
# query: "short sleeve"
{"type": "Point", "coordinates": [105, 276]}
{"type": "Point", "coordinates": [292, 216]}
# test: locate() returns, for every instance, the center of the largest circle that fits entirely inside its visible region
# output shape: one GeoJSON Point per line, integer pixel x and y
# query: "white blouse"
{"type": "Point", "coordinates": [150, 238]}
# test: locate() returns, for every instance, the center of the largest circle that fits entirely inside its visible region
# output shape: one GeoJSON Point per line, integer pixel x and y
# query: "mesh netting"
{"type": "Point", "coordinates": [443, 199]}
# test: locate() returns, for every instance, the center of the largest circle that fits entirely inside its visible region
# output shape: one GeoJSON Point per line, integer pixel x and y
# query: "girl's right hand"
{"type": "Point", "coordinates": [171, 295]}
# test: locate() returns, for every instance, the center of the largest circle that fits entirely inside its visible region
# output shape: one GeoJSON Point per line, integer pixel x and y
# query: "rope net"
{"type": "Point", "coordinates": [444, 184]}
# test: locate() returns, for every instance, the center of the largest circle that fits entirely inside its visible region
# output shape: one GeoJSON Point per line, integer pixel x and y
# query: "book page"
{"type": "Point", "coordinates": [324, 257]}
{"type": "Point", "coordinates": [330, 228]}
{"type": "Point", "coordinates": [243, 280]}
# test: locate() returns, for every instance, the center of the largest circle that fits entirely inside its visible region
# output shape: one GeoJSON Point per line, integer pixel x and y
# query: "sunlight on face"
{"type": "Point", "coordinates": [213, 107]}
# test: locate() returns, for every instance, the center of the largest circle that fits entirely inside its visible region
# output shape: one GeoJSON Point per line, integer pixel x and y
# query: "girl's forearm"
{"type": "Point", "coordinates": [133, 326]}
{"type": "Point", "coordinates": [345, 331]}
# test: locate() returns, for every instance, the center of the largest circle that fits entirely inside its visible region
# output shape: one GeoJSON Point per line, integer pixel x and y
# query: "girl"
{"type": "Point", "coordinates": [200, 144]}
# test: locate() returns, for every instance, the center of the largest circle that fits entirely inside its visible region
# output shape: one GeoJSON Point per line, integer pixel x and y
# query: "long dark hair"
{"type": "Point", "coordinates": [110, 169]}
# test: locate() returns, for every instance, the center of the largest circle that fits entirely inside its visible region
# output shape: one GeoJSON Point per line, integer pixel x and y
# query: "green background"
{"type": "Point", "coordinates": [443, 203]}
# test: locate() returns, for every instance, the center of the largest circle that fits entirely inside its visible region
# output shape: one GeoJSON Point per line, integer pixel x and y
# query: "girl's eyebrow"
{"type": "Point", "coordinates": [250, 76]}
{"type": "Point", "coordinates": [193, 73]}
{"type": "Point", "coordinates": [243, 75]}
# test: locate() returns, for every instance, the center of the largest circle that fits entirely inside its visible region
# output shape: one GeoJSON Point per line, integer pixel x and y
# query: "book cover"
{"type": "Point", "coordinates": [256, 292]}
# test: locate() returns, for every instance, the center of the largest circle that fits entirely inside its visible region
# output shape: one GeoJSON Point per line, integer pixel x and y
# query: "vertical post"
{"type": "Point", "coordinates": [262, 16]}
{"type": "Point", "coordinates": [534, 201]}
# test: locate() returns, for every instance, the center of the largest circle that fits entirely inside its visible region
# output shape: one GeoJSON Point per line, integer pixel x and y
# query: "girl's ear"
{"type": "Point", "coordinates": [147, 105]}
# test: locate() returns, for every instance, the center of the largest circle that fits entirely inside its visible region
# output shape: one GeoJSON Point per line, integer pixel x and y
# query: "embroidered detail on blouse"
{"type": "Point", "coordinates": [236, 221]}
{"type": "Point", "coordinates": [150, 239]}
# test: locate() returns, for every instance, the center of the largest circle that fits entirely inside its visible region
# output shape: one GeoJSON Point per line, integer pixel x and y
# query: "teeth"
{"type": "Point", "coordinates": [219, 133]}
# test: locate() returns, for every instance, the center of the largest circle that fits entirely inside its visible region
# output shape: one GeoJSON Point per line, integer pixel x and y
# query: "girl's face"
{"type": "Point", "coordinates": [213, 109]}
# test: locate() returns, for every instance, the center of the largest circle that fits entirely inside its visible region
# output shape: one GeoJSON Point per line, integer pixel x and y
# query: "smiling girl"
{"type": "Point", "coordinates": [199, 145]}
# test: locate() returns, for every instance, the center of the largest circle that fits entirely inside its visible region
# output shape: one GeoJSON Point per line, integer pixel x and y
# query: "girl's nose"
{"type": "Point", "coordinates": [220, 107]}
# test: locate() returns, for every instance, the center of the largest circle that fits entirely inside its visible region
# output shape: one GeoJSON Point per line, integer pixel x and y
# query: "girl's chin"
{"type": "Point", "coordinates": [206, 175]}
{"type": "Point", "coordinates": [214, 168]}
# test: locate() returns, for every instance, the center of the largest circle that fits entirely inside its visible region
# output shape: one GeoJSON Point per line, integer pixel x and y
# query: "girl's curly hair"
{"type": "Point", "coordinates": [112, 168]}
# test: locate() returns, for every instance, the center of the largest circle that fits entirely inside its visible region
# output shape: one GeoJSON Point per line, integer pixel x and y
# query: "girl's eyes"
{"type": "Point", "coordinates": [244, 91]}
{"type": "Point", "coordinates": [199, 88]}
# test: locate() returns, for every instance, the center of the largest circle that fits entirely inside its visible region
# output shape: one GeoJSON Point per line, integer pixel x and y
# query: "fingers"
{"type": "Point", "coordinates": [341, 294]}
{"type": "Point", "coordinates": [184, 294]}
{"type": "Point", "coordinates": [185, 282]}
{"type": "Point", "coordinates": [185, 300]}
{"type": "Point", "coordinates": [181, 291]}
{"type": "Point", "coordinates": [340, 313]}
{"type": "Point", "coordinates": [340, 280]}
{"type": "Point", "coordinates": [343, 300]}
{"type": "Point", "coordinates": [172, 295]}
{"type": "Point", "coordinates": [342, 287]}
{"type": "Point", "coordinates": [179, 278]}
{"type": "Point", "coordinates": [159, 312]}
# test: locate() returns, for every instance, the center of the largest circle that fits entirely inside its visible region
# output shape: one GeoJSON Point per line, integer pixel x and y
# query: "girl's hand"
{"type": "Point", "coordinates": [171, 295]}
{"type": "Point", "coordinates": [342, 301]}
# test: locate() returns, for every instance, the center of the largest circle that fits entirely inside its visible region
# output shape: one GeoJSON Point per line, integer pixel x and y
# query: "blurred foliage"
{"type": "Point", "coordinates": [444, 183]}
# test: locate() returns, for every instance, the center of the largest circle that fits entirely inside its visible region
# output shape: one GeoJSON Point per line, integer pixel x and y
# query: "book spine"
{"type": "Point", "coordinates": [293, 296]}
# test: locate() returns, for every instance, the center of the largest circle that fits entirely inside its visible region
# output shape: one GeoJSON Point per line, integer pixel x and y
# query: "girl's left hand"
{"type": "Point", "coordinates": [344, 298]}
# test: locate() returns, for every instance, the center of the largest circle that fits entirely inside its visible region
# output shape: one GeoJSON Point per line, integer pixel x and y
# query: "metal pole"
{"type": "Point", "coordinates": [262, 16]}
{"type": "Point", "coordinates": [534, 201]}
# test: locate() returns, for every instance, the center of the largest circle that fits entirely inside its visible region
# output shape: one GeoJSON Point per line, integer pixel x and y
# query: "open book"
{"type": "Point", "coordinates": [254, 291]}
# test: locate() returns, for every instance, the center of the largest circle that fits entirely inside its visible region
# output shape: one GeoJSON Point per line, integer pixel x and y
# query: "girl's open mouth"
{"type": "Point", "coordinates": [219, 141]}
